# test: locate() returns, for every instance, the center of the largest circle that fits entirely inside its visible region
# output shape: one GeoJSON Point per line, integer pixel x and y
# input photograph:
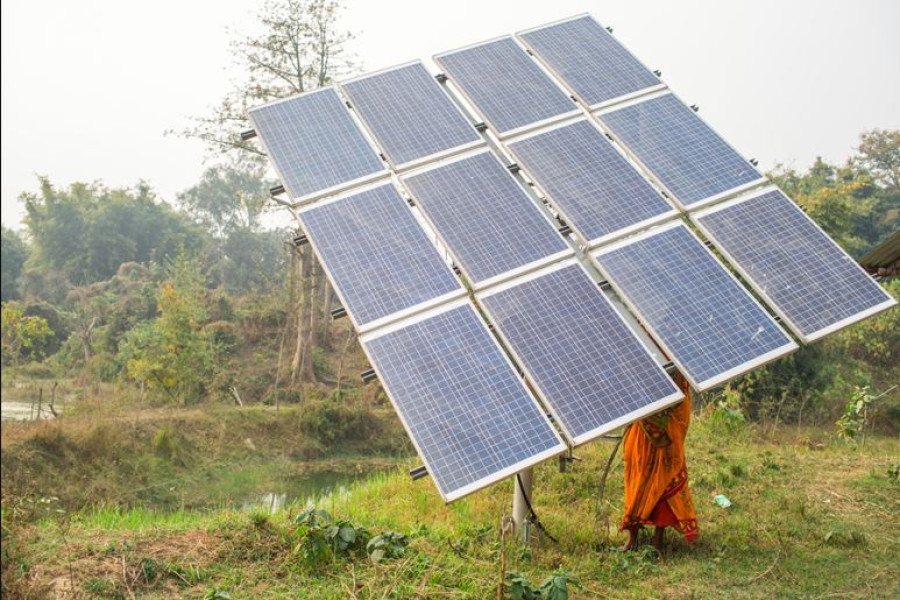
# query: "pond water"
{"type": "Point", "coordinates": [308, 488]}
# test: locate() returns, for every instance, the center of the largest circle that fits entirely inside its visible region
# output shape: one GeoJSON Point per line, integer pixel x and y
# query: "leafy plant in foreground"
{"type": "Point", "coordinates": [322, 537]}
{"type": "Point", "coordinates": [387, 545]}
{"type": "Point", "coordinates": [555, 587]}
{"type": "Point", "coordinates": [850, 425]}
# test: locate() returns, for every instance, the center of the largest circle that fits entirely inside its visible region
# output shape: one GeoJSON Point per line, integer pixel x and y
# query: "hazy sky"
{"type": "Point", "coordinates": [89, 87]}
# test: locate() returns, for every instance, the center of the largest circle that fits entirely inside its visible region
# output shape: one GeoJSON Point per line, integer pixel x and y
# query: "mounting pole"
{"type": "Point", "coordinates": [520, 504]}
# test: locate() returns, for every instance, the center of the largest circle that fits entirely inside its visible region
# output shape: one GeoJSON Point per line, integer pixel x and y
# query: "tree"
{"type": "Point", "coordinates": [14, 253]}
{"type": "Point", "coordinates": [879, 154]}
{"type": "Point", "coordinates": [300, 48]}
{"type": "Point", "coordinates": [86, 231]}
{"type": "Point", "coordinates": [20, 333]}
{"type": "Point", "coordinates": [228, 197]}
{"type": "Point", "coordinates": [175, 352]}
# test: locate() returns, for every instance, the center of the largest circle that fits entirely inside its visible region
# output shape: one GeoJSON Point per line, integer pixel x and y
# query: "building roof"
{"type": "Point", "coordinates": [884, 259]}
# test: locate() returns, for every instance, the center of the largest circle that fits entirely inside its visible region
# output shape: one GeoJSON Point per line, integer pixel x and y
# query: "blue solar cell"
{"type": "Point", "coordinates": [469, 414]}
{"type": "Point", "coordinates": [505, 84]}
{"type": "Point", "coordinates": [598, 191]}
{"type": "Point", "coordinates": [484, 217]}
{"type": "Point", "coordinates": [379, 258]}
{"type": "Point", "coordinates": [711, 325]}
{"type": "Point", "coordinates": [590, 368]}
{"type": "Point", "coordinates": [688, 157]}
{"type": "Point", "coordinates": [817, 286]}
{"type": "Point", "coordinates": [315, 144]}
{"type": "Point", "coordinates": [409, 114]}
{"type": "Point", "coordinates": [589, 59]}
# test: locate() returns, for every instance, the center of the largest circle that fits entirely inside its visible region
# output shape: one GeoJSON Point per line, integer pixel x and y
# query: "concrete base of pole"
{"type": "Point", "coordinates": [520, 510]}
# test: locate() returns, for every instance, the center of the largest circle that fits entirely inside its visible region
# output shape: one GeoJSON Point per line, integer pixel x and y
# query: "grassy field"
{"type": "Point", "coordinates": [811, 518]}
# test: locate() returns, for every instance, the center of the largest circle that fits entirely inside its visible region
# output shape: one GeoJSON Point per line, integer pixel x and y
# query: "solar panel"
{"type": "Point", "coordinates": [484, 217]}
{"type": "Point", "coordinates": [711, 326]}
{"type": "Point", "coordinates": [378, 257]}
{"type": "Point", "coordinates": [507, 87]}
{"type": "Point", "coordinates": [688, 158]}
{"type": "Point", "coordinates": [584, 55]}
{"type": "Point", "coordinates": [468, 413]}
{"type": "Point", "coordinates": [588, 366]}
{"type": "Point", "coordinates": [315, 145]}
{"type": "Point", "coordinates": [599, 193]}
{"type": "Point", "coordinates": [816, 286]}
{"type": "Point", "coordinates": [409, 115]}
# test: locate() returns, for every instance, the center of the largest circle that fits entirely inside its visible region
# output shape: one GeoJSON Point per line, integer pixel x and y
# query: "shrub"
{"type": "Point", "coordinates": [330, 422]}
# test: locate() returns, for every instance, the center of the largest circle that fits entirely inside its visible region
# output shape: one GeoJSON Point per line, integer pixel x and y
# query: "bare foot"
{"type": "Point", "coordinates": [631, 542]}
{"type": "Point", "coordinates": [658, 538]}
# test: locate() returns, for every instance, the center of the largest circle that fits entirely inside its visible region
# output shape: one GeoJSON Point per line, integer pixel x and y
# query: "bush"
{"type": "Point", "coordinates": [330, 422]}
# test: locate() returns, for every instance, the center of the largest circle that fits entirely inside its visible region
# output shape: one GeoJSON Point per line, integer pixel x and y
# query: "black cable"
{"type": "Point", "coordinates": [534, 518]}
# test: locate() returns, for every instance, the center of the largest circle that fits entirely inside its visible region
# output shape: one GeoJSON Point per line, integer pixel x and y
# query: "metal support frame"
{"type": "Point", "coordinates": [522, 486]}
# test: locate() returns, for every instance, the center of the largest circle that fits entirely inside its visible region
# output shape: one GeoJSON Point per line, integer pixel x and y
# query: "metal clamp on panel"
{"type": "Point", "coordinates": [754, 162]}
{"type": "Point", "coordinates": [301, 239]}
{"type": "Point", "coordinates": [514, 168]}
{"type": "Point", "coordinates": [369, 375]}
{"type": "Point", "coordinates": [481, 127]}
{"type": "Point", "coordinates": [669, 367]}
{"type": "Point", "coordinates": [276, 190]}
{"type": "Point", "coordinates": [441, 77]}
{"type": "Point", "coordinates": [657, 72]}
{"type": "Point", "coordinates": [695, 107]}
{"type": "Point", "coordinates": [604, 285]}
{"type": "Point", "coordinates": [564, 229]}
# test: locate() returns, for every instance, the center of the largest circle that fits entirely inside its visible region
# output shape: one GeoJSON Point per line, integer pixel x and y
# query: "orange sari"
{"type": "Point", "coordinates": [656, 489]}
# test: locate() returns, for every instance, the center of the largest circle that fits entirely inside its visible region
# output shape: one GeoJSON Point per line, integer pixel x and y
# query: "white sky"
{"type": "Point", "coordinates": [89, 87]}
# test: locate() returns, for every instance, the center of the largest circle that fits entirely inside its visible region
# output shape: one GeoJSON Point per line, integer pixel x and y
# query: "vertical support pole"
{"type": "Point", "coordinates": [520, 504]}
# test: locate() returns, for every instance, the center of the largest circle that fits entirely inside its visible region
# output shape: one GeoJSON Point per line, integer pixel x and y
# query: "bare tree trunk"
{"type": "Point", "coordinates": [301, 366]}
{"type": "Point", "coordinates": [327, 303]}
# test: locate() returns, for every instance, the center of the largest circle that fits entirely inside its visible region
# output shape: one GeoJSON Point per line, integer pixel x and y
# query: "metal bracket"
{"type": "Point", "coordinates": [301, 239]}
{"type": "Point", "coordinates": [276, 190]}
{"type": "Point", "coordinates": [338, 312]}
{"type": "Point", "coordinates": [248, 135]}
{"type": "Point", "coordinates": [418, 473]}
{"type": "Point", "coordinates": [368, 375]}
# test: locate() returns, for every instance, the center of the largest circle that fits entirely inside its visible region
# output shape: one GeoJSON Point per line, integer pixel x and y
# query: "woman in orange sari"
{"type": "Point", "coordinates": [656, 489]}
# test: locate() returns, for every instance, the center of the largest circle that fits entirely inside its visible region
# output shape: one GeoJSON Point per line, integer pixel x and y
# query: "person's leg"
{"type": "Point", "coordinates": [658, 538]}
{"type": "Point", "coordinates": [631, 542]}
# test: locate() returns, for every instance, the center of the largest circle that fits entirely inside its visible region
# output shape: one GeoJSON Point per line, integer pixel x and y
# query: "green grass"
{"type": "Point", "coordinates": [812, 518]}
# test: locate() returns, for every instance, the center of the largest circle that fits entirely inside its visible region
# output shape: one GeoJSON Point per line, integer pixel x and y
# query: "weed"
{"type": "Point", "coordinates": [387, 545]}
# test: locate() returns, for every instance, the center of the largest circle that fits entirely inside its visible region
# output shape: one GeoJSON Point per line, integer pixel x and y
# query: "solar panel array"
{"type": "Point", "coordinates": [470, 415]}
{"type": "Point", "coordinates": [792, 263]}
{"type": "Point", "coordinates": [506, 86]}
{"type": "Point", "coordinates": [409, 115]}
{"type": "Point", "coordinates": [711, 325]}
{"type": "Point", "coordinates": [600, 194]}
{"type": "Point", "coordinates": [378, 256]}
{"type": "Point", "coordinates": [315, 145]}
{"type": "Point", "coordinates": [592, 371]}
{"type": "Point", "coordinates": [484, 217]}
{"type": "Point", "coordinates": [683, 152]}
{"type": "Point", "coordinates": [596, 67]}
{"type": "Point", "coordinates": [613, 160]}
